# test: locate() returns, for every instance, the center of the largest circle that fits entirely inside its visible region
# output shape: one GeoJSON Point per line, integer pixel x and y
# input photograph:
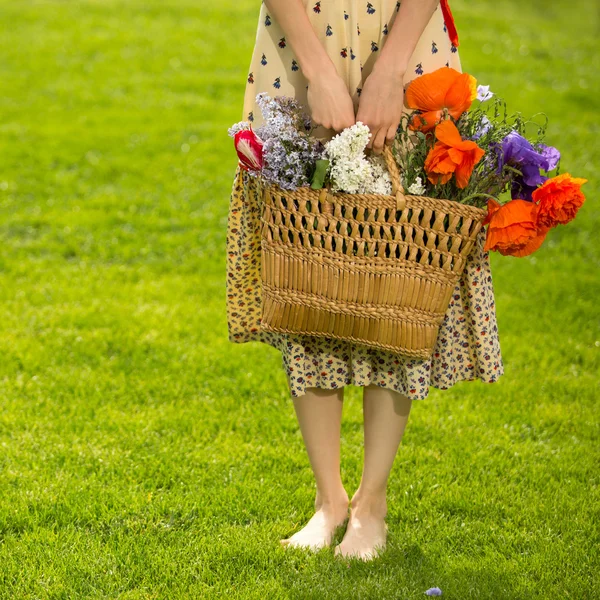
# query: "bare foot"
{"type": "Point", "coordinates": [366, 533]}
{"type": "Point", "coordinates": [320, 529]}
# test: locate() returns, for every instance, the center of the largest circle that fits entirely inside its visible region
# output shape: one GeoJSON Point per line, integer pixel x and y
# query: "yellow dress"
{"type": "Point", "coordinates": [467, 348]}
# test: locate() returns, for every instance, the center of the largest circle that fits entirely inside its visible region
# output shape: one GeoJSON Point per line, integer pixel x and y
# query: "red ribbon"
{"type": "Point", "coordinates": [449, 21]}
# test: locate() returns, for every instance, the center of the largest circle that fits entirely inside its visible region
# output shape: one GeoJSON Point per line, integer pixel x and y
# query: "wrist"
{"type": "Point", "coordinates": [388, 67]}
{"type": "Point", "coordinates": [315, 69]}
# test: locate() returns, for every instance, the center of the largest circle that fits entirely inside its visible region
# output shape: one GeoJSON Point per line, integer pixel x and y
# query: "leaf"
{"type": "Point", "coordinates": [318, 177]}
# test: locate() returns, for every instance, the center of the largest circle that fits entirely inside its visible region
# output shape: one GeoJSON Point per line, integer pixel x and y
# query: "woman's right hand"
{"type": "Point", "coordinates": [329, 100]}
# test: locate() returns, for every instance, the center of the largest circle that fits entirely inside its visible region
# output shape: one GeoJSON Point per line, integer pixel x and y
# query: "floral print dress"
{"type": "Point", "coordinates": [467, 347]}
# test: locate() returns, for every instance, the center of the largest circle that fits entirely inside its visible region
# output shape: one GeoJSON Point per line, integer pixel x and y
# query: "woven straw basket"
{"type": "Point", "coordinates": [372, 269]}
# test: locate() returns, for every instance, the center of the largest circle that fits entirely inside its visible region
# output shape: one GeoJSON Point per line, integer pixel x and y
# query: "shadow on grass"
{"type": "Point", "coordinates": [401, 572]}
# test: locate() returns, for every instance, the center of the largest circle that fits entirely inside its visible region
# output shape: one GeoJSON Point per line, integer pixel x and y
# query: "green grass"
{"type": "Point", "coordinates": [142, 455]}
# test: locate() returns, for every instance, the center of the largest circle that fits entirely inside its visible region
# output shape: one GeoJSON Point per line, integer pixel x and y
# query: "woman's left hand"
{"type": "Point", "coordinates": [380, 106]}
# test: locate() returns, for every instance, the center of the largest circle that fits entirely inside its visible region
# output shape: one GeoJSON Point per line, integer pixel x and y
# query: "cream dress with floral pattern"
{"type": "Point", "coordinates": [467, 348]}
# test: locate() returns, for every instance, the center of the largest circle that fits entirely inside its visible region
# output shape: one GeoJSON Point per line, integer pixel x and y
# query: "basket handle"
{"type": "Point", "coordinates": [392, 165]}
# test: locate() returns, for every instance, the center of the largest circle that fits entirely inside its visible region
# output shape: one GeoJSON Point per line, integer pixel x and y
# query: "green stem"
{"type": "Point", "coordinates": [479, 194]}
{"type": "Point", "coordinates": [513, 169]}
{"type": "Point", "coordinates": [485, 182]}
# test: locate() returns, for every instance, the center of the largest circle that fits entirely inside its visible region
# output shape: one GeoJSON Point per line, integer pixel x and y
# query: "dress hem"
{"type": "Point", "coordinates": [439, 386]}
{"type": "Point", "coordinates": [353, 381]}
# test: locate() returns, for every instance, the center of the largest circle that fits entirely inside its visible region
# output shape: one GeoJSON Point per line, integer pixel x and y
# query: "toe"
{"type": "Point", "coordinates": [367, 556]}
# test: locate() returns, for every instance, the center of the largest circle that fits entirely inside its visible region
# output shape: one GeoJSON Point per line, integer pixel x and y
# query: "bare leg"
{"type": "Point", "coordinates": [385, 415]}
{"type": "Point", "coordinates": [319, 413]}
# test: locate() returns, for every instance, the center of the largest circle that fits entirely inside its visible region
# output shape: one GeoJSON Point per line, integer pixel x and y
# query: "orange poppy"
{"type": "Point", "coordinates": [451, 154]}
{"type": "Point", "coordinates": [559, 198]}
{"type": "Point", "coordinates": [431, 93]}
{"type": "Point", "coordinates": [513, 229]}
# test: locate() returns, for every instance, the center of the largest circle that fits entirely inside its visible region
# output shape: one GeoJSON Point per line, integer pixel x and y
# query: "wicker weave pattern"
{"type": "Point", "coordinates": [373, 269]}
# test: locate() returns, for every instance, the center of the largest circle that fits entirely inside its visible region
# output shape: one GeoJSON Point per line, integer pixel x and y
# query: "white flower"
{"type": "Point", "coordinates": [483, 93]}
{"type": "Point", "coordinates": [352, 171]}
{"type": "Point", "coordinates": [417, 188]}
{"type": "Point", "coordinates": [380, 181]}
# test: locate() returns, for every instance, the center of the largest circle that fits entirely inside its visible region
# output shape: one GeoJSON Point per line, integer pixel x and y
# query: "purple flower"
{"type": "Point", "coordinates": [240, 126]}
{"type": "Point", "coordinates": [483, 93]}
{"type": "Point", "coordinates": [551, 155]}
{"type": "Point", "coordinates": [484, 126]}
{"type": "Point", "coordinates": [517, 151]}
{"type": "Point", "coordinates": [289, 153]}
{"type": "Point", "coordinates": [433, 592]}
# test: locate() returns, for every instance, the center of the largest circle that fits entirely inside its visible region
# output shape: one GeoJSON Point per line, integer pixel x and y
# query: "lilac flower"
{"type": "Point", "coordinates": [289, 153]}
{"type": "Point", "coordinates": [433, 592]}
{"type": "Point", "coordinates": [483, 93]}
{"type": "Point", "coordinates": [517, 151]}
{"type": "Point", "coordinates": [350, 170]}
{"type": "Point", "coordinates": [241, 126]}
{"type": "Point", "coordinates": [286, 159]}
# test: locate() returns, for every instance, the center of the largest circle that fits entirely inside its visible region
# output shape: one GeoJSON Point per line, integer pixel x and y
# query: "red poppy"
{"type": "Point", "coordinates": [431, 93]}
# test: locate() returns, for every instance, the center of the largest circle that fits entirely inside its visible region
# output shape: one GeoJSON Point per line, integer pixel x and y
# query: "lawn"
{"type": "Point", "coordinates": [143, 455]}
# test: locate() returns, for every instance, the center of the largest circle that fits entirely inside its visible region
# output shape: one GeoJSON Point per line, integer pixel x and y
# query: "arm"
{"type": "Point", "coordinates": [382, 96]}
{"type": "Point", "coordinates": [328, 98]}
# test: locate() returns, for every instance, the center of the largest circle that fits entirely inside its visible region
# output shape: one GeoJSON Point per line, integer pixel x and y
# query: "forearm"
{"type": "Point", "coordinates": [409, 24]}
{"type": "Point", "coordinates": [299, 33]}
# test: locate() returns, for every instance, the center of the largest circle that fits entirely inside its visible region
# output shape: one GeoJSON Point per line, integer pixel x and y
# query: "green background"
{"type": "Point", "coordinates": [142, 455]}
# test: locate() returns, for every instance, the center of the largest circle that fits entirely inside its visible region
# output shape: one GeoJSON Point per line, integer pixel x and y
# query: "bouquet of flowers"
{"type": "Point", "coordinates": [282, 151]}
{"type": "Point", "coordinates": [445, 148]}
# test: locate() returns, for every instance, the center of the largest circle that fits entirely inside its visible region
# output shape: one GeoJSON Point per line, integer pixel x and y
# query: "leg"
{"type": "Point", "coordinates": [385, 415]}
{"type": "Point", "coordinates": [319, 413]}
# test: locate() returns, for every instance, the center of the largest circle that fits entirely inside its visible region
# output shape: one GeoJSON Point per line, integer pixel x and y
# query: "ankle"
{"type": "Point", "coordinates": [373, 503]}
{"type": "Point", "coordinates": [334, 501]}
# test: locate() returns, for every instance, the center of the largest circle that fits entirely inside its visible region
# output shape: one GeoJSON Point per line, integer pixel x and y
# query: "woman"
{"type": "Point", "coordinates": [348, 61]}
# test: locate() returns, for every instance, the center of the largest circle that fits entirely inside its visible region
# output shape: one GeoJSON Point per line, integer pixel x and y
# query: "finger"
{"type": "Point", "coordinates": [378, 141]}
{"type": "Point", "coordinates": [315, 117]}
{"type": "Point", "coordinates": [340, 124]}
{"type": "Point", "coordinates": [390, 135]}
{"type": "Point", "coordinates": [363, 117]}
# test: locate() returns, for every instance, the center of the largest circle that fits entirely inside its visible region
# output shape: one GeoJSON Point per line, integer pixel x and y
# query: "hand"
{"type": "Point", "coordinates": [380, 106]}
{"type": "Point", "coordinates": [329, 101]}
